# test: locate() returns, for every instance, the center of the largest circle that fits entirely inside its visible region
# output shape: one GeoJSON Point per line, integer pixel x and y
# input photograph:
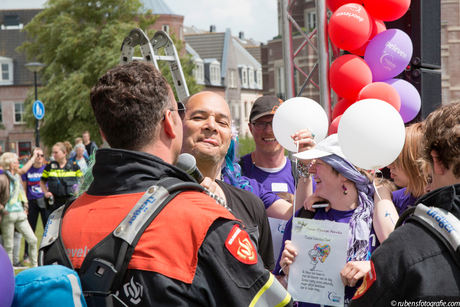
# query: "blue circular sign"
{"type": "Point", "coordinates": [38, 109]}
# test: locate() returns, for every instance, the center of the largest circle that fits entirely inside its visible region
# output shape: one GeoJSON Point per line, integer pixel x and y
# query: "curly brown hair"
{"type": "Point", "coordinates": [128, 102]}
{"type": "Point", "coordinates": [442, 133]}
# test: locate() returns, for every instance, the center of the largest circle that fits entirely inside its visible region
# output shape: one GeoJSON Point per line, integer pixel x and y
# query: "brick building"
{"type": "Point", "coordinates": [450, 50]}
{"type": "Point", "coordinates": [225, 67]}
{"type": "Point", "coordinates": [15, 81]}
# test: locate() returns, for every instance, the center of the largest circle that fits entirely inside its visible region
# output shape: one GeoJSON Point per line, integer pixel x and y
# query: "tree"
{"type": "Point", "coordinates": [79, 40]}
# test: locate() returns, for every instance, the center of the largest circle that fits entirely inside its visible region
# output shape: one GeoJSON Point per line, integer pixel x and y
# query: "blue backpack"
{"type": "Point", "coordinates": [51, 285]}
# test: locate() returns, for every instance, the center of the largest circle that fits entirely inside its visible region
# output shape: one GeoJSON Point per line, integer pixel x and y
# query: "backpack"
{"type": "Point", "coordinates": [443, 224]}
{"type": "Point", "coordinates": [105, 265]}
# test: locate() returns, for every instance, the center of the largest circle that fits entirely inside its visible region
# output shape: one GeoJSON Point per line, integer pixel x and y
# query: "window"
{"type": "Point", "coordinates": [19, 113]}
{"type": "Point", "coordinates": [11, 22]}
{"type": "Point", "coordinates": [244, 77]}
{"type": "Point", "coordinates": [310, 20]}
{"type": "Point", "coordinates": [199, 72]}
{"type": "Point", "coordinates": [1, 113]}
{"type": "Point", "coordinates": [232, 79]}
{"type": "Point", "coordinates": [24, 148]}
{"type": "Point", "coordinates": [251, 77]}
{"type": "Point", "coordinates": [165, 28]}
{"type": "Point", "coordinates": [259, 79]}
{"type": "Point", "coordinates": [6, 71]}
{"type": "Point", "coordinates": [215, 73]}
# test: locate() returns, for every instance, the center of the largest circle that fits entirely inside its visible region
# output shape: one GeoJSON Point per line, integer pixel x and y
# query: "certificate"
{"type": "Point", "coordinates": [321, 247]}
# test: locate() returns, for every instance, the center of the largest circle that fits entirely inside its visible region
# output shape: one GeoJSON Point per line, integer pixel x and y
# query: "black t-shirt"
{"type": "Point", "coordinates": [251, 211]}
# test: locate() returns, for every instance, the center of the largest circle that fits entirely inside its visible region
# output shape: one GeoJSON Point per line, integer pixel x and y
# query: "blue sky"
{"type": "Point", "coordinates": [257, 18]}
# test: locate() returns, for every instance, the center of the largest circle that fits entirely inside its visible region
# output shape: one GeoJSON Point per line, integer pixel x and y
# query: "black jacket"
{"type": "Point", "coordinates": [413, 264]}
{"type": "Point", "coordinates": [220, 278]}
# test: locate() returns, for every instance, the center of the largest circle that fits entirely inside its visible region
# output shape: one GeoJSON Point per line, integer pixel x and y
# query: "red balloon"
{"type": "Point", "coordinates": [350, 27]}
{"type": "Point", "coordinates": [333, 5]}
{"type": "Point", "coordinates": [348, 75]}
{"type": "Point", "coordinates": [334, 125]}
{"type": "Point", "coordinates": [377, 27]}
{"type": "Point", "coordinates": [382, 91]}
{"type": "Point", "coordinates": [387, 10]}
{"type": "Point", "coordinates": [341, 107]}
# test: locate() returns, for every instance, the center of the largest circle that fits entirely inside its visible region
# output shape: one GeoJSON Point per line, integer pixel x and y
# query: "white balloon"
{"type": "Point", "coordinates": [371, 134]}
{"type": "Point", "coordinates": [299, 113]}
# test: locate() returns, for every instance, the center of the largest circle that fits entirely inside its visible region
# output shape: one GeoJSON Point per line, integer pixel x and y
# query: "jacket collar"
{"type": "Point", "coordinates": [119, 171]}
{"type": "Point", "coordinates": [447, 198]}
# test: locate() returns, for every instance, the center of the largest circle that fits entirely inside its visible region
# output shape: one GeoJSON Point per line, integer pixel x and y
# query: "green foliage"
{"type": "Point", "coordinates": [79, 40]}
{"type": "Point", "coordinates": [245, 145]}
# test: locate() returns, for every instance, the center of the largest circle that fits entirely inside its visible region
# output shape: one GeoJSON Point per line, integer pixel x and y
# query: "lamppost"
{"type": "Point", "coordinates": [35, 67]}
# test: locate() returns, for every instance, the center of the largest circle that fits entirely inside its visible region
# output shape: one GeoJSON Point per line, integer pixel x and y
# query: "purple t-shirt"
{"type": "Point", "coordinates": [267, 197]}
{"type": "Point", "coordinates": [336, 216]}
{"type": "Point", "coordinates": [281, 181]}
{"type": "Point", "coordinates": [32, 178]}
{"type": "Point", "coordinates": [403, 201]}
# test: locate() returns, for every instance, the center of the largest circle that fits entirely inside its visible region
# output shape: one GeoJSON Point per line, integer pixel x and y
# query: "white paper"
{"type": "Point", "coordinates": [277, 228]}
{"type": "Point", "coordinates": [321, 247]}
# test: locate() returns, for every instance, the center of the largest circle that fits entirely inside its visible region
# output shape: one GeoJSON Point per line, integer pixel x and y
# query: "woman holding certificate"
{"type": "Point", "coordinates": [349, 194]}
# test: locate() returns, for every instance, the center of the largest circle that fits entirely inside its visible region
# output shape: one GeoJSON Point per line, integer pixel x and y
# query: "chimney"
{"type": "Point", "coordinates": [212, 28]}
{"type": "Point", "coordinates": [241, 36]}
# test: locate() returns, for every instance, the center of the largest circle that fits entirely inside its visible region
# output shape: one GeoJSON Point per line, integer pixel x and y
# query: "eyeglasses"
{"type": "Point", "coordinates": [262, 125]}
{"type": "Point", "coordinates": [180, 109]}
{"type": "Point", "coordinates": [40, 156]}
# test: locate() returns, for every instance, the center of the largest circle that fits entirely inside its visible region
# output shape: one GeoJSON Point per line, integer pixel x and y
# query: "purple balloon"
{"type": "Point", "coordinates": [410, 98]}
{"type": "Point", "coordinates": [7, 283]}
{"type": "Point", "coordinates": [388, 54]}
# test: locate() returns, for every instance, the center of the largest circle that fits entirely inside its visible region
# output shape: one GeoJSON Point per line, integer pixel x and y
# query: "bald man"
{"type": "Point", "coordinates": [207, 135]}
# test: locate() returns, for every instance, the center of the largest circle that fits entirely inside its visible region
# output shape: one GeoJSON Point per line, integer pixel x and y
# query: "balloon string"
{"type": "Point", "coordinates": [376, 191]}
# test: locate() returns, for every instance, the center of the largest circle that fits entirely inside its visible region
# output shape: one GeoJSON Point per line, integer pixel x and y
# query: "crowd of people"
{"type": "Point", "coordinates": [218, 251]}
{"type": "Point", "coordinates": [37, 189]}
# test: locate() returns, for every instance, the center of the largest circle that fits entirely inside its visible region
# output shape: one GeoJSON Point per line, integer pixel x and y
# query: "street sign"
{"type": "Point", "coordinates": [38, 109]}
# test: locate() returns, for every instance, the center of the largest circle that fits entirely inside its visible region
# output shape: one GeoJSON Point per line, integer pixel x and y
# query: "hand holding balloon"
{"type": "Point", "coordinates": [305, 139]}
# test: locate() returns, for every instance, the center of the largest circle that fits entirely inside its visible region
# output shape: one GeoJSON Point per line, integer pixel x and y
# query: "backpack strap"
{"type": "Point", "coordinates": [443, 224]}
{"type": "Point", "coordinates": [104, 267]}
{"type": "Point", "coordinates": [51, 243]}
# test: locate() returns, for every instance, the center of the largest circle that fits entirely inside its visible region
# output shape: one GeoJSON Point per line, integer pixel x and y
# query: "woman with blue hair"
{"type": "Point", "coordinates": [349, 193]}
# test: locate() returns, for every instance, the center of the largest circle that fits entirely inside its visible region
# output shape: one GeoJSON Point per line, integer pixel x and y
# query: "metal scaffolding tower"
{"type": "Point", "coordinates": [322, 50]}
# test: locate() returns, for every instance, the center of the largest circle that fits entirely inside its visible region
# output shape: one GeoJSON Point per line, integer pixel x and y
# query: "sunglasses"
{"type": "Point", "coordinates": [40, 156]}
{"type": "Point", "coordinates": [180, 109]}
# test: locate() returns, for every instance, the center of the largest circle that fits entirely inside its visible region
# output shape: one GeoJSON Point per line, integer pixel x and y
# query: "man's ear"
{"type": "Point", "coordinates": [438, 166]}
{"type": "Point", "coordinates": [168, 125]}
{"type": "Point", "coordinates": [250, 127]}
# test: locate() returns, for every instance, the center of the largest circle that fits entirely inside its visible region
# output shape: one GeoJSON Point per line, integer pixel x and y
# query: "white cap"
{"type": "Point", "coordinates": [326, 147]}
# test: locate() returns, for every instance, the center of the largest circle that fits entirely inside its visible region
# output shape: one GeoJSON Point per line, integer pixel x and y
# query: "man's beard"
{"type": "Point", "coordinates": [205, 158]}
